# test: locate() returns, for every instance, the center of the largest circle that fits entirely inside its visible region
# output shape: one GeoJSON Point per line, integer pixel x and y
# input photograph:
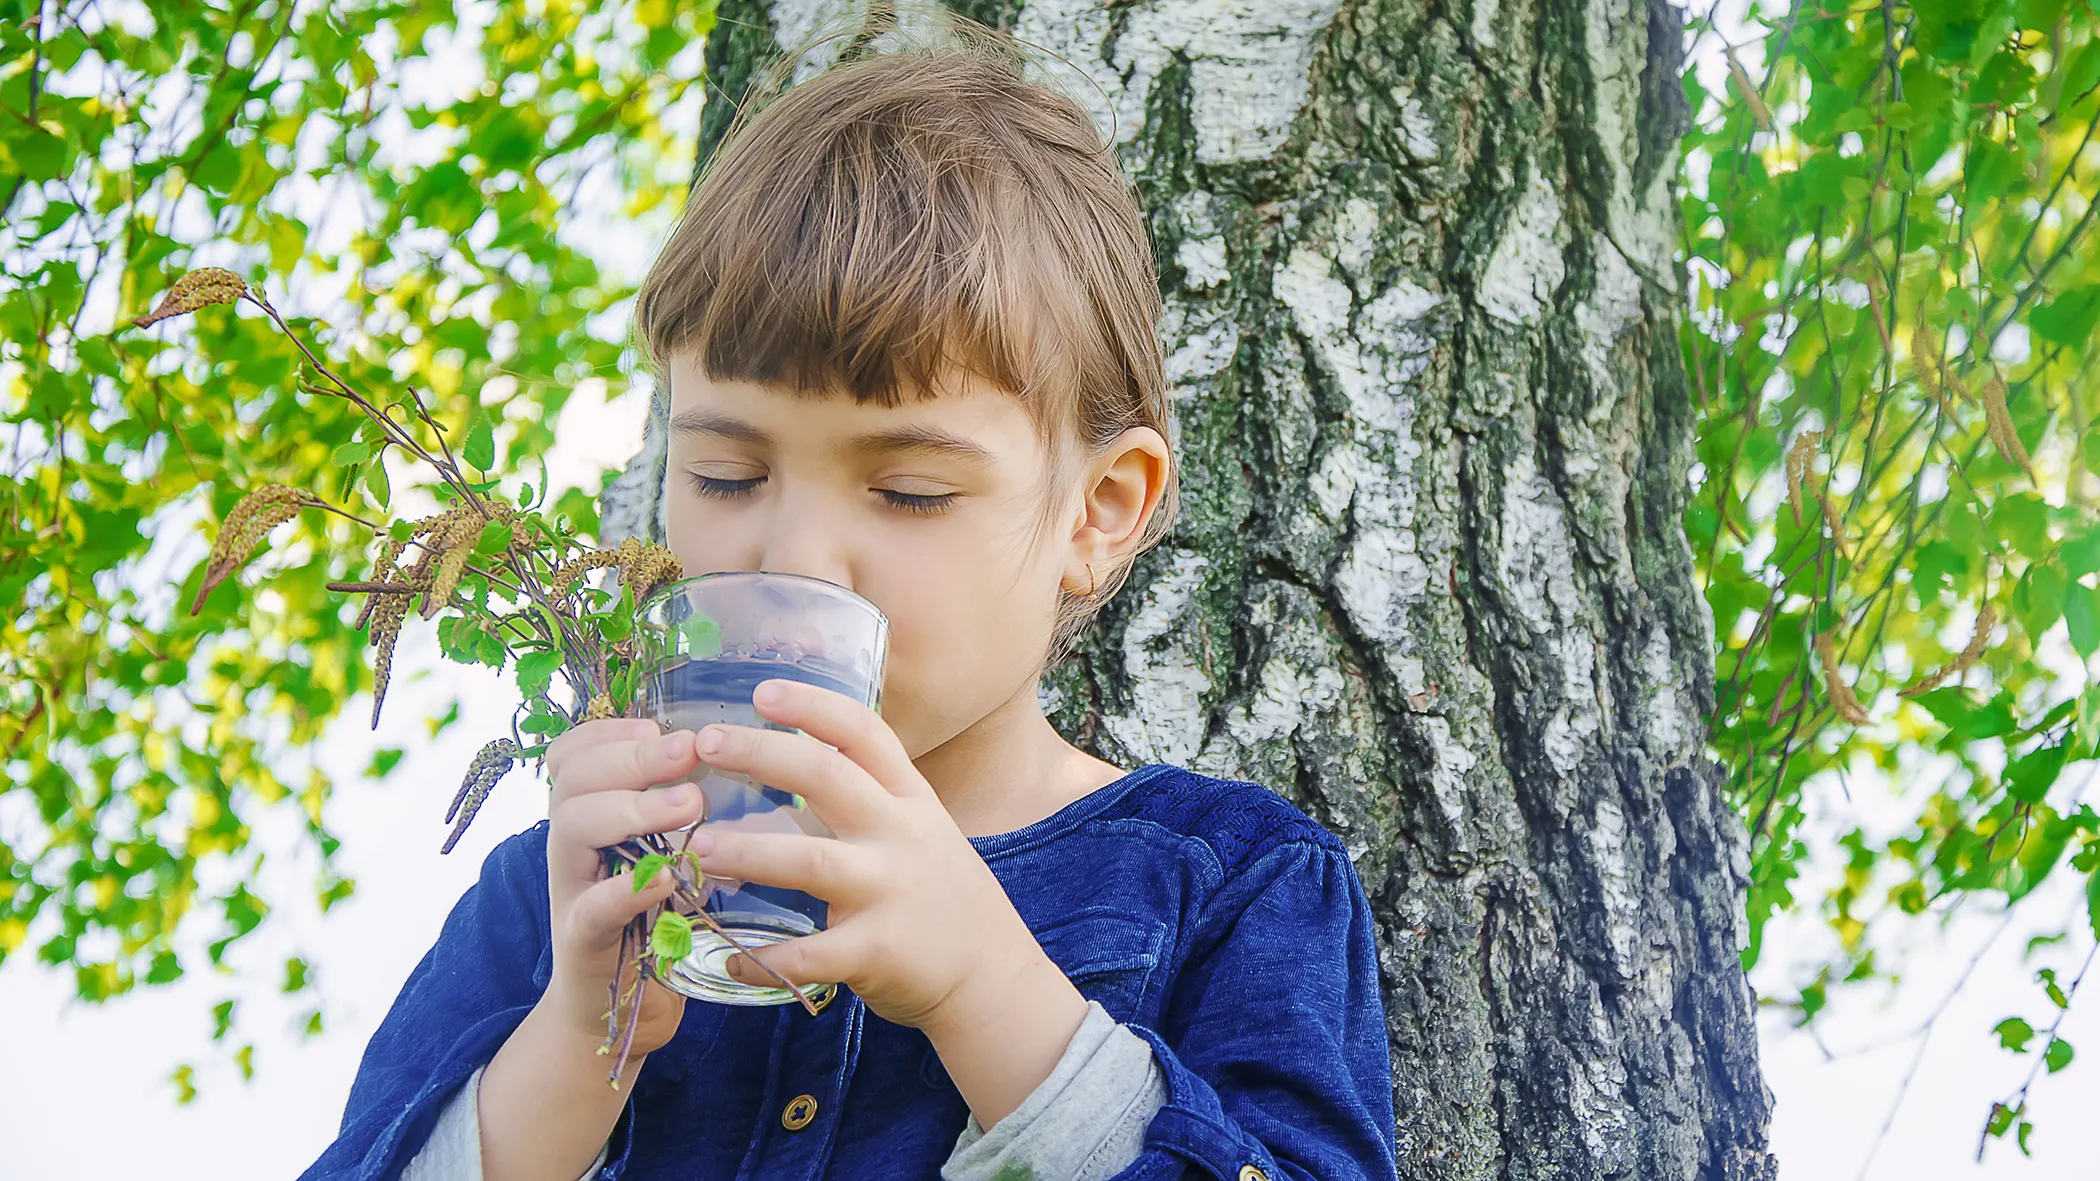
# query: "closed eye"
{"type": "Point", "coordinates": [725, 489]}
{"type": "Point", "coordinates": [716, 488]}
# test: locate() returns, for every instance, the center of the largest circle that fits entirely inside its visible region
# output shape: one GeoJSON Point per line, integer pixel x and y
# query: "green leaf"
{"type": "Point", "coordinates": [616, 624]}
{"type": "Point", "coordinates": [2082, 71]}
{"type": "Point", "coordinates": [376, 480]}
{"type": "Point", "coordinates": [221, 1020]}
{"type": "Point", "coordinates": [536, 670]}
{"type": "Point", "coordinates": [646, 870]}
{"type": "Point", "coordinates": [350, 454]}
{"type": "Point", "coordinates": [2080, 554]}
{"type": "Point", "coordinates": [495, 538]}
{"type": "Point", "coordinates": [480, 447]}
{"type": "Point", "coordinates": [672, 940]}
{"type": "Point", "coordinates": [539, 723]}
{"type": "Point", "coordinates": [166, 967]}
{"type": "Point", "coordinates": [2038, 600]}
{"type": "Point", "coordinates": [2014, 1034]}
{"type": "Point", "coordinates": [1953, 708]}
{"type": "Point", "coordinates": [295, 973]}
{"type": "Point", "coordinates": [2092, 901]}
{"type": "Point", "coordinates": [2068, 319]}
{"type": "Point", "coordinates": [2082, 618]}
{"type": "Point", "coordinates": [703, 637]}
{"type": "Point", "coordinates": [2029, 777]}
{"type": "Point", "coordinates": [384, 760]}
{"type": "Point", "coordinates": [2058, 1055]}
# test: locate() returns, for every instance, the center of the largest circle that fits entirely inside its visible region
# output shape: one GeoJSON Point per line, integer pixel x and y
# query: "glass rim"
{"type": "Point", "coordinates": [666, 590]}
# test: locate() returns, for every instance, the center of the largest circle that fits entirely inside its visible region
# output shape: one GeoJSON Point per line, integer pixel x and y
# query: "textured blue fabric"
{"type": "Point", "coordinates": [1211, 917]}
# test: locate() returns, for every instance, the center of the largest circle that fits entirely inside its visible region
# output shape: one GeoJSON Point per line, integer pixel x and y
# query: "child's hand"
{"type": "Point", "coordinates": [919, 926]}
{"type": "Point", "coordinates": [601, 772]}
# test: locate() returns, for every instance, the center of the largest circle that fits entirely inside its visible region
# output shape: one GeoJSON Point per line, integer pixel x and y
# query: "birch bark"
{"type": "Point", "coordinates": [1429, 581]}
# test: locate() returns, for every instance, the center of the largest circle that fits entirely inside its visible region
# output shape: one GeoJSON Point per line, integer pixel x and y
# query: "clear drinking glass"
{"type": "Point", "coordinates": [706, 643]}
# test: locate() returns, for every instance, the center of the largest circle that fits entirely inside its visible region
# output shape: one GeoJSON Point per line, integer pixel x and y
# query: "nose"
{"type": "Point", "coordinates": [803, 536]}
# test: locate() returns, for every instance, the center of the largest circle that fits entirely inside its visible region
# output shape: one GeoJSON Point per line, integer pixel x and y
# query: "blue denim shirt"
{"type": "Point", "coordinates": [1212, 918]}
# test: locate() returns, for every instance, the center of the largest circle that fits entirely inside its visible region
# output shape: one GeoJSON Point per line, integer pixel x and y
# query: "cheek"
{"type": "Point", "coordinates": [968, 624]}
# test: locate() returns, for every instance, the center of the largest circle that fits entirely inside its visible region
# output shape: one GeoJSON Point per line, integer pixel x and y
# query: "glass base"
{"type": "Point", "coordinates": [704, 975]}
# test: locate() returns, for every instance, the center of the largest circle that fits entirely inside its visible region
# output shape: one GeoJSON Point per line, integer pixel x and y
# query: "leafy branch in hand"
{"type": "Point", "coordinates": [508, 587]}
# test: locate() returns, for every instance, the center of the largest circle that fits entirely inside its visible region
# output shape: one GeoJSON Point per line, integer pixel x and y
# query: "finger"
{"type": "Point", "coordinates": [827, 957]}
{"type": "Point", "coordinates": [832, 870]}
{"type": "Point", "coordinates": [581, 825]}
{"type": "Point", "coordinates": [844, 796]}
{"type": "Point", "coordinates": [569, 743]}
{"type": "Point", "coordinates": [627, 766]}
{"type": "Point", "coordinates": [595, 918]}
{"type": "Point", "coordinates": [857, 731]}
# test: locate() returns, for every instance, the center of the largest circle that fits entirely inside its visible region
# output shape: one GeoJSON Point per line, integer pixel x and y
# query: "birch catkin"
{"type": "Point", "coordinates": [1799, 457]}
{"type": "Point", "coordinates": [1998, 422]}
{"type": "Point", "coordinates": [491, 763]}
{"type": "Point", "coordinates": [245, 527]}
{"type": "Point", "coordinates": [200, 288]}
{"type": "Point", "coordinates": [387, 614]}
{"type": "Point", "coordinates": [1842, 699]}
{"type": "Point", "coordinates": [1979, 639]}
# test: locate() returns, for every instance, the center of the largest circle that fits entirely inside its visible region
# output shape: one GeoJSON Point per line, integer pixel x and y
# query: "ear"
{"type": "Point", "coordinates": [1122, 489]}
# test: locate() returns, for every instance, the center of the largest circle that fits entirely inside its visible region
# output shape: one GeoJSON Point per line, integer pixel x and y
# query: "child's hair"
{"type": "Point", "coordinates": [903, 216]}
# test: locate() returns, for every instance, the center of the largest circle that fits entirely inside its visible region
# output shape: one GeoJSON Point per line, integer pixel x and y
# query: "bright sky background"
{"type": "Point", "coordinates": [77, 1081]}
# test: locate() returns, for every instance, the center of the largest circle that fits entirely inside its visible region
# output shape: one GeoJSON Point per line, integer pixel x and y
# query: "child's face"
{"type": "Point", "coordinates": [929, 509]}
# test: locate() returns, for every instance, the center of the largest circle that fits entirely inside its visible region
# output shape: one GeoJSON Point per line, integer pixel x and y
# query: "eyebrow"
{"type": "Point", "coordinates": [921, 440]}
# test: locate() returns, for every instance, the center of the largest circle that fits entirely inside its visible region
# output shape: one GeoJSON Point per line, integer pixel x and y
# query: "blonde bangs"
{"type": "Point", "coordinates": [887, 223]}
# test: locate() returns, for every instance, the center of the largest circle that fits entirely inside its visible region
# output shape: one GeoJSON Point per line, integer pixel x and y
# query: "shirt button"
{"type": "Point", "coordinates": [1250, 1173]}
{"type": "Point", "coordinates": [803, 1108]}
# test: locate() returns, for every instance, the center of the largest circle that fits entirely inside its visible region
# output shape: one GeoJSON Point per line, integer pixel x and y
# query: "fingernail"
{"type": "Point", "coordinates": [701, 845]}
{"type": "Point", "coordinates": [679, 795]}
{"type": "Point", "coordinates": [769, 693]}
{"type": "Point", "coordinates": [711, 741]}
{"type": "Point", "coordinates": [674, 745]}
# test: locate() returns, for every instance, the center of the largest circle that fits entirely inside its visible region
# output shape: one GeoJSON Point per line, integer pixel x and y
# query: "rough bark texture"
{"type": "Point", "coordinates": [1429, 581]}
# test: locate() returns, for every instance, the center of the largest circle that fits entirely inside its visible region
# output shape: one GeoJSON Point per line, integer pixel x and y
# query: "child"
{"type": "Point", "coordinates": [907, 328]}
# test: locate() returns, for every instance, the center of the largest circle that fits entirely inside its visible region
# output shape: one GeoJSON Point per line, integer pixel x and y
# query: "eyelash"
{"type": "Point", "coordinates": [908, 502]}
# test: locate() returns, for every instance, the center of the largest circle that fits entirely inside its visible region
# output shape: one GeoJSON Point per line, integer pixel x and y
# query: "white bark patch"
{"type": "Point", "coordinates": [1417, 129]}
{"type": "Point", "coordinates": [1383, 577]}
{"type": "Point", "coordinates": [1249, 64]}
{"type": "Point", "coordinates": [1612, 307]}
{"type": "Point", "coordinates": [1483, 26]}
{"type": "Point", "coordinates": [1284, 699]}
{"type": "Point", "coordinates": [1201, 339]}
{"type": "Point", "coordinates": [1334, 482]}
{"type": "Point", "coordinates": [1202, 260]}
{"type": "Point", "coordinates": [1596, 1097]}
{"type": "Point", "coordinates": [1536, 559]}
{"type": "Point", "coordinates": [1451, 760]}
{"type": "Point", "coordinates": [1320, 303]}
{"type": "Point", "coordinates": [1605, 836]}
{"type": "Point", "coordinates": [1356, 235]}
{"type": "Point", "coordinates": [1165, 723]}
{"type": "Point", "coordinates": [1536, 555]}
{"type": "Point", "coordinates": [1526, 266]}
{"type": "Point", "coordinates": [1615, 40]}
{"type": "Point", "coordinates": [1671, 727]}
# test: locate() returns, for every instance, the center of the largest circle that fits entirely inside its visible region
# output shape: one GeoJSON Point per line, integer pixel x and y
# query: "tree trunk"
{"type": "Point", "coordinates": [1429, 581]}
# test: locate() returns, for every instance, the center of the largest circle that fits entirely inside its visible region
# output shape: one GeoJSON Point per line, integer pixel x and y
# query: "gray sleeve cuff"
{"type": "Point", "coordinates": [1086, 1121]}
{"type": "Point", "coordinates": [453, 1152]}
